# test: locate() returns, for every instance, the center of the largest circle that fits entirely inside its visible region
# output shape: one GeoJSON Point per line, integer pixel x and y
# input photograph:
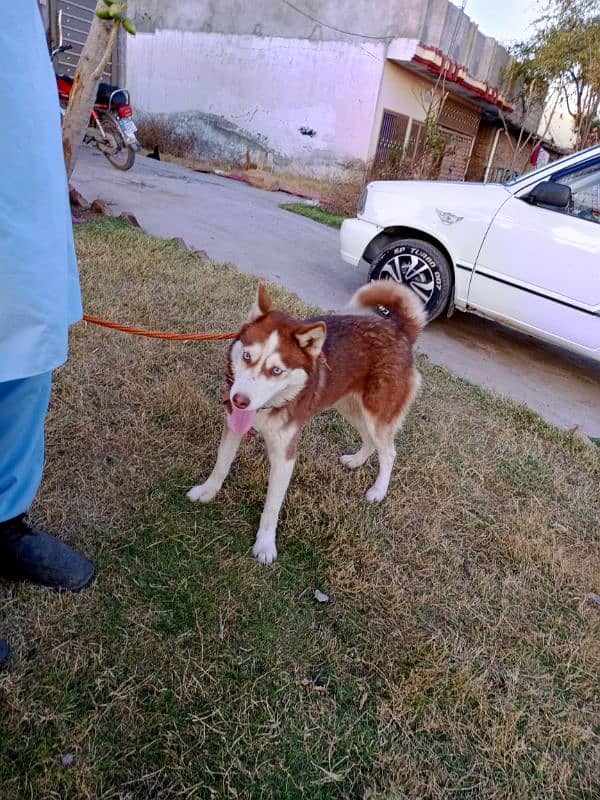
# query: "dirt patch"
{"type": "Point", "coordinates": [153, 132]}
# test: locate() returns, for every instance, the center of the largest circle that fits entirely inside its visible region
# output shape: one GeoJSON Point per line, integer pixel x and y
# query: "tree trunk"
{"type": "Point", "coordinates": [94, 57]}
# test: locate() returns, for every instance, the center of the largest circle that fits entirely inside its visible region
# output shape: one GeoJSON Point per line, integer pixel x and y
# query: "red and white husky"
{"type": "Point", "coordinates": [283, 371]}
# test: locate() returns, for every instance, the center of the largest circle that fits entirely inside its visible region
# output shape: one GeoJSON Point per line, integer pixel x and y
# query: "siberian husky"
{"type": "Point", "coordinates": [283, 371]}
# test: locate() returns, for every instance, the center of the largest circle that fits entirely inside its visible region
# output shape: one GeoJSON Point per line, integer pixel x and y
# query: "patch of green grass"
{"type": "Point", "coordinates": [318, 213]}
{"type": "Point", "coordinates": [525, 473]}
{"type": "Point", "coordinates": [456, 656]}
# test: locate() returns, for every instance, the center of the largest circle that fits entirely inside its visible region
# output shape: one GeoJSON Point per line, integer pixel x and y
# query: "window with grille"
{"type": "Point", "coordinates": [392, 136]}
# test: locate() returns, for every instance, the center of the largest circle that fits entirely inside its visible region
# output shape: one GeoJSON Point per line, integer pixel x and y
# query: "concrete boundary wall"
{"type": "Point", "coordinates": [312, 104]}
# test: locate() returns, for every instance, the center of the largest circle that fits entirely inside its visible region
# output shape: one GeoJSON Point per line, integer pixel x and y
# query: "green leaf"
{"type": "Point", "coordinates": [103, 13]}
{"type": "Point", "coordinates": [128, 26]}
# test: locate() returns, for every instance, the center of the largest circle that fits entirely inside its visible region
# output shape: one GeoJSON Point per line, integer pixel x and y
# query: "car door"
{"type": "Point", "coordinates": [539, 266]}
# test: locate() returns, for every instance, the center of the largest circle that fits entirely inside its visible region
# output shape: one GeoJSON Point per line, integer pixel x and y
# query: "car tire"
{"type": "Point", "coordinates": [419, 265]}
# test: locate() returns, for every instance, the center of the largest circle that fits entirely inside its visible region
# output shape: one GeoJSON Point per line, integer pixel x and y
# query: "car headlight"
{"type": "Point", "coordinates": [362, 202]}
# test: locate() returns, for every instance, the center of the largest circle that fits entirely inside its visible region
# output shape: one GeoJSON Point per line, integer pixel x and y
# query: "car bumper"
{"type": "Point", "coordinates": [355, 235]}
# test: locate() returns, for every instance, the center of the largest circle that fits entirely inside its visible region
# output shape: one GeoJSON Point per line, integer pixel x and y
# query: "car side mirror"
{"type": "Point", "coordinates": [550, 193]}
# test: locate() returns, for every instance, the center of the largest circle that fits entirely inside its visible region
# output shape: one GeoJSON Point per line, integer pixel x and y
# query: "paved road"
{"type": "Point", "coordinates": [236, 223]}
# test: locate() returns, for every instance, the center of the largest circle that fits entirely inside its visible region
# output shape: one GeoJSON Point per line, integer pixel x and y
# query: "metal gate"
{"type": "Point", "coordinates": [76, 18]}
{"type": "Point", "coordinates": [456, 156]}
{"type": "Point", "coordinates": [391, 137]}
{"type": "Point", "coordinates": [458, 124]}
{"type": "Point", "coordinates": [416, 139]}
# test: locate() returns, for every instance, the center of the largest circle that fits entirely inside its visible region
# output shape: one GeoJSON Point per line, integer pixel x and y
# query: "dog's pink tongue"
{"type": "Point", "coordinates": [241, 421]}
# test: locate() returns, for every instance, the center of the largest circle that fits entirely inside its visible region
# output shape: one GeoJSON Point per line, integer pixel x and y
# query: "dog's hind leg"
{"type": "Point", "coordinates": [228, 448]}
{"type": "Point", "coordinates": [281, 451]}
{"type": "Point", "coordinates": [383, 433]}
{"type": "Point", "coordinates": [352, 411]}
{"type": "Point", "coordinates": [386, 451]}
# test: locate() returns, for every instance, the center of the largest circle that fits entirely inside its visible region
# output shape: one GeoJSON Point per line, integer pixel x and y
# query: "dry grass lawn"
{"type": "Point", "coordinates": [457, 657]}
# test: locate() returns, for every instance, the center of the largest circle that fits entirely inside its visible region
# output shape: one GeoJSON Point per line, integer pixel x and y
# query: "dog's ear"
{"type": "Point", "coordinates": [311, 337]}
{"type": "Point", "coordinates": [262, 304]}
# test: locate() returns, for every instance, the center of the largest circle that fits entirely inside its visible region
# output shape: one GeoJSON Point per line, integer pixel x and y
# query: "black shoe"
{"type": "Point", "coordinates": [4, 651]}
{"type": "Point", "coordinates": [27, 554]}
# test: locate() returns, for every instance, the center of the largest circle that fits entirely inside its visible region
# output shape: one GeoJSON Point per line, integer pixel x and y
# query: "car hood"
{"type": "Point", "coordinates": [457, 215]}
{"type": "Point", "coordinates": [386, 198]}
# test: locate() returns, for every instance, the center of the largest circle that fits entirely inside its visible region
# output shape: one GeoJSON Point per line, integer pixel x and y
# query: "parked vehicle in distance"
{"type": "Point", "coordinates": [111, 127]}
{"type": "Point", "coordinates": [525, 253]}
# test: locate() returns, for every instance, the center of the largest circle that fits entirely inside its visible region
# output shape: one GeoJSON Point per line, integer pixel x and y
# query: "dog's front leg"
{"type": "Point", "coordinates": [228, 448]}
{"type": "Point", "coordinates": [279, 478]}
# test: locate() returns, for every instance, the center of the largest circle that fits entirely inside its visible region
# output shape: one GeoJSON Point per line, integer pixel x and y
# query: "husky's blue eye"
{"type": "Point", "coordinates": [246, 355]}
{"type": "Point", "coordinates": [276, 371]}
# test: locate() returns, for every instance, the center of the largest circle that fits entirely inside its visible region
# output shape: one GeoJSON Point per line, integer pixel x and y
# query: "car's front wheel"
{"type": "Point", "coordinates": [419, 265]}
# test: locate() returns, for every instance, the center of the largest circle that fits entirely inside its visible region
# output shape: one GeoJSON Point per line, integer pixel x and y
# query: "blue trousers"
{"type": "Point", "coordinates": [23, 407]}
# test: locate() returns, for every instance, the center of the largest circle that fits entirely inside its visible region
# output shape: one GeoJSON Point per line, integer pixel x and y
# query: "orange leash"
{"type": "Point", "coordinates": [176, 337]}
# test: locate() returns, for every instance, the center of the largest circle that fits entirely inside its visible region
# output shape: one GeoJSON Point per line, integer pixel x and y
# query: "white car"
{"type": "Point", "coordinates": [525, 253]}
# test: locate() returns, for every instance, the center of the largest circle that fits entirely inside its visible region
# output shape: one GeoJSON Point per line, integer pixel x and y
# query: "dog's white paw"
{"type": "Point", "coordinates": [203, 493]}
{"type": "Point", "coordinates": [375, 494]}
{"type": "Point", "coordinates": [264, 550]}
{"type": "Point", "coordinates": [352, 460]}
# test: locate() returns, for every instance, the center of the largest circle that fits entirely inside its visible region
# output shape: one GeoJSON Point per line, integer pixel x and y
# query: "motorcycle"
{"type": "Point", "coordinates": [111, 128]}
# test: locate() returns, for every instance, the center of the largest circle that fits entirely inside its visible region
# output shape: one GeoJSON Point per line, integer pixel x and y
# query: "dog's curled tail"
{"type": "Point", "coordinates": [403, 304]}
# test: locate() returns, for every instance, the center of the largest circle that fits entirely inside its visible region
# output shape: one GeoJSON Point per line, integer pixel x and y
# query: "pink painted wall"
{"type": "Point", "coordinates": [269, 87]}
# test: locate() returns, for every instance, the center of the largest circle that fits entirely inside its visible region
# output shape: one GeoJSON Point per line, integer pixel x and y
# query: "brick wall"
{"type": "Point", "coordinates": [502, 157]}
{"type": "Point", "coordinates": [504, 153]}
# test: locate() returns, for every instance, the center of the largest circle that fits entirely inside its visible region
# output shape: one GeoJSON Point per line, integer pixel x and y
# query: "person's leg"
{"type": "Point", "coordinates": [23, 407]}
{"type": "Point", "coordinates": [25, 553]}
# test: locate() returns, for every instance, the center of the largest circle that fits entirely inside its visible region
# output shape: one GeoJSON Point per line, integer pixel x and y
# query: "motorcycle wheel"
{"type": "Point", "coordinates": [122, 159]}
{"type": "Point", "coordinates": [120, 155]}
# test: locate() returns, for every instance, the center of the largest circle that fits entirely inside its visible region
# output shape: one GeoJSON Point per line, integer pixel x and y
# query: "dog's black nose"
{"type": "Point", "coordinates": [240, 400]}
